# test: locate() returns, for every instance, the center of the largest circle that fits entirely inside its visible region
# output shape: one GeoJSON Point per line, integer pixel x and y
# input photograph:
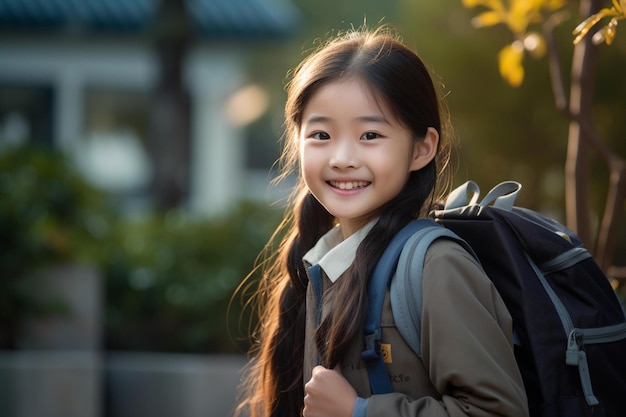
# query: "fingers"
{"type": "Point", "coordinates": [328, 394]}
{"type": "Point", "coordinates": [309, 387]}
{"type": "Point", "coordinates": [311, 390]}
{"type": "Point", "coordinates": [317, 370]}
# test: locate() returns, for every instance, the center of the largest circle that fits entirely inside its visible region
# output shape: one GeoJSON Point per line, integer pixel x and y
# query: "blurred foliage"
{"type": "Point", "coordinates": [526, 20]}
{"type": "Point", "coordinates": [170, 279]}
{"type": "Point", "coordinates": [518, 16]}
{"type": "Point", "coordinates": [48, 214]}
{"type": "Point", "coordinates": [607, 33]}
{"type": "Point", "coordinates": [513, 133]}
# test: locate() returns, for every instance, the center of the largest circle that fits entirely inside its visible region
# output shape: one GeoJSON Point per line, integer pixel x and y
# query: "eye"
{"type": "Point", "coordinates": [370, 136]}
{"type": "Point", "coordinates": [320, 136]}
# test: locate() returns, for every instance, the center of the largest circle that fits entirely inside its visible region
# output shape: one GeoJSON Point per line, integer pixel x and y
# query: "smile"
{"type": "Point", "coordinates": [349, 185]}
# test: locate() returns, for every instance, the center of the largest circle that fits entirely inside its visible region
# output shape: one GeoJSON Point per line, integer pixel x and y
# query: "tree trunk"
{"type": "Point", "coordinates": [169, 118]}
{"type": "Point", "coordinates": [577, 162]}
{"type": "Point", "coordinates": [582, 139]}
{"type": "Point", "coordinates": [612, 217]}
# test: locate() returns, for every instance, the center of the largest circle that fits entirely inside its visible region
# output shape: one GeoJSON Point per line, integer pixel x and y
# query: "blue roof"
{"type": "Point", "coordinates": [210, 18]}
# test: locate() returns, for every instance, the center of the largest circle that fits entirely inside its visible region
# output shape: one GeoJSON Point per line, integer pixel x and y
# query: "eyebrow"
{"type": "Point", "coordinates": [376, 118]}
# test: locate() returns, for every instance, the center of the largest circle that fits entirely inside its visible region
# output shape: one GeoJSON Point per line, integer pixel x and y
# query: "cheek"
{"type": "Point", "coordinates": [308, 162]}
{"type": "Point", "coordinates": [304, 153]}
{"type": "Point", "coordinates": [395, 169]}
{"type": "Point", "coordinates": [393, 161]}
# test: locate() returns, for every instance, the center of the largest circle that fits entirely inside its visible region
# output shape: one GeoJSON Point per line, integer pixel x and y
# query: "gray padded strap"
{"type": "Point", "coordinates": [406, 286]}
{"type": "Point", "coordinates": [463, 195]}
{"type": "Point", "coordinates": [502, 195]}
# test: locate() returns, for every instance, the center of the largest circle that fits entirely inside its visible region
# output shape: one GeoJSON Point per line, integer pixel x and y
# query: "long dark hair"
{"type": "Point", "coordinates": [398, 77]}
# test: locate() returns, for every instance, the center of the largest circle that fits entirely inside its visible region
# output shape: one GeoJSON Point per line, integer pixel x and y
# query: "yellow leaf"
{"type": "Point", "coordinates": [611, 31]}
{"type": "Point", "coordinates": [521, 14]}
{"type": "Point", "coordinates": [487, 19]}
{"type": "Point", "coordinates": [536, 4]}
{"type": "Point", "coordinates": [491, 4]}
{"type": "Point", "coordinates": [518, 23]}
{"type": "Point", "coordinates": [619, 5]}
{"type": "Point", "coordinates": [555, 4]}
{"type": "Point", "coordinates": [585, 26]}
{"type": "Point", "coordinates": [527, 7]}
{"type": "Point", "coordinates": [510, 63]}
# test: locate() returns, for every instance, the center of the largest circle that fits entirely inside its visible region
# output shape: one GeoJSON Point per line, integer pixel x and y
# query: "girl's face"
{"type": "Point", "coordinates": [354, 155]}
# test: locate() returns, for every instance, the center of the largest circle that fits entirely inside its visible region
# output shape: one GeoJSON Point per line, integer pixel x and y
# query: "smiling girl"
{"type": "Point", "coordinates": [363, 127]}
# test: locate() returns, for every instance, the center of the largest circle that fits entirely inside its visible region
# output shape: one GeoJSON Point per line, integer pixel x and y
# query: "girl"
{"type": "Point", "coordinates": [363, 126]}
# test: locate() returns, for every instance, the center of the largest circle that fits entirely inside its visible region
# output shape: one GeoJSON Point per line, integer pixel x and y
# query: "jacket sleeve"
{"type": "Point", "coordinates": [466, 344]}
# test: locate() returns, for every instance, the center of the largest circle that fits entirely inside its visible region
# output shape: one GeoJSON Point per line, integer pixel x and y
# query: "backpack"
{"type": "Point", "coordinates": [569, 326]}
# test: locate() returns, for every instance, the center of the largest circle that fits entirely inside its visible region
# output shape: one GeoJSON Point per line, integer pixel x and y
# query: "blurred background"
{"type": "Point", "coordinates": [137, 143]}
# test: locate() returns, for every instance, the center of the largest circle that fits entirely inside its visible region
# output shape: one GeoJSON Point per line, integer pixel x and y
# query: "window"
{"type": "Point", "coordinates": [113, 154]}
{"type": "Point", "coordinates": [25, 114]}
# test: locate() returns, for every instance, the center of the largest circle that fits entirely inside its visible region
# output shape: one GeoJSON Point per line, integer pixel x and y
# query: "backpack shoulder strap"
{"type": "Point", "coordinates": [406, 288]}
{"type": "Point", "coordinates": [377, 287]}
{"type": "Point", "coordinates": [404, 256]}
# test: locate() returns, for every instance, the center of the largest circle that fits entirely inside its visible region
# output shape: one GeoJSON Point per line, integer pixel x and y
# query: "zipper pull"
{"type": "Point", "coordinates": [573, 348]}
{"type": "Point", "coordinates": [576, 356]}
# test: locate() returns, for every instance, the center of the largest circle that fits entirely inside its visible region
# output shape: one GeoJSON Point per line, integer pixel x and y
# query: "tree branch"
{"type": "Point", "coordinates": [554, 62]}
{"type": "Point", "coordinates": [612, 213]}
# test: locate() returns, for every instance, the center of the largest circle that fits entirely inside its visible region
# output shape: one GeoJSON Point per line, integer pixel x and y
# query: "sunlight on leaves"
{"type": "Point", "coordinates": [517, 16]}
{"type": "Point", "coordinates": [510, 63]}
{"type": "Point", "coordinates": [608, 32]}
{"type": "Point", "coordinates": [491, 4]}
{"type": "Point", "coordinates": [488, 19]}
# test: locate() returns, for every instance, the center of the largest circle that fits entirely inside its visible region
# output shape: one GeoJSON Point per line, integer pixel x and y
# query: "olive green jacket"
{"type": "Point", "coordinates": [467, 366]}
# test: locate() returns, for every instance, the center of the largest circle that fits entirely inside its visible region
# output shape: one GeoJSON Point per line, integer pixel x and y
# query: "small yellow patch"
{"type": "Point", "coordinates": [385, 349]}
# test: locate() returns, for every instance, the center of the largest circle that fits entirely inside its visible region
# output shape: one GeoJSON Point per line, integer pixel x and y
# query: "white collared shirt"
{"type": "Point", "coordinates": [333, 253]}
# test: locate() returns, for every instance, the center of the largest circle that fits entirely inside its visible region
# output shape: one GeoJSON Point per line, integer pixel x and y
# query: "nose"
{"type": "Point", "coordinates": [344, 155]}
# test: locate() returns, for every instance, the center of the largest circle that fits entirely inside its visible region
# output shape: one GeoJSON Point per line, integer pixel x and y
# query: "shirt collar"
{"type": "Point", "coordinates": [333, 253]}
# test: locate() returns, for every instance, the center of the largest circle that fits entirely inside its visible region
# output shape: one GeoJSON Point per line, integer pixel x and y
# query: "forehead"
{"type": "Point", "coordinates": [349, 94]}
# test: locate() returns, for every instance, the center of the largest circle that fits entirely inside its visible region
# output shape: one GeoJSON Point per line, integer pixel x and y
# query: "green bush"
{"type": "Point", "coordinates": [170, 280]}
{"type": "Point", "coordinates": [48, 215]}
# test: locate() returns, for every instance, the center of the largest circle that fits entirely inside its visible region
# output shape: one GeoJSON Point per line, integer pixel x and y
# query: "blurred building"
{"type": "Point", "coordinates": [81, 76]}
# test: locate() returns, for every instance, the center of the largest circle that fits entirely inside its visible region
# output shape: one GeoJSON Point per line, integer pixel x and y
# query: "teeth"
{"type": "Point", "coordinates": [349, 185]}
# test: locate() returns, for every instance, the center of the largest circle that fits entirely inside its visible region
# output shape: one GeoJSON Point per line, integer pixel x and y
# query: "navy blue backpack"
{"type": "Point", "coordinates": [570, 328]}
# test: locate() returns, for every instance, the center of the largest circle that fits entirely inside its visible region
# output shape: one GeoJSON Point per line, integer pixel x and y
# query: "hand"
{"type": "Point", "coordinates": [328, 394]}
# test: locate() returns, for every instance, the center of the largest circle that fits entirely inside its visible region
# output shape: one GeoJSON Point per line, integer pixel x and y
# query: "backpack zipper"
{"type": "Point", "coordinates": [565, 260]}
{"type": "Point", "coordinates": [604, 334]}
{"type": "Point", "coordinates": [575, 354]}
{"type": "Point", "coordinates": [576, 338]}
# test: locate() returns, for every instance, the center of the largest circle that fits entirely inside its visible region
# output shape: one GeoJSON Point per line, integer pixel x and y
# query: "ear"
{"type": "Point", "coordinates": [425, 150]}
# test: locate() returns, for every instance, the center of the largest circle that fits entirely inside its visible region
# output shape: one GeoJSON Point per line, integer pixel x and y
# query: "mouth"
{"type": "Point", "coordinates": [349, 185]}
